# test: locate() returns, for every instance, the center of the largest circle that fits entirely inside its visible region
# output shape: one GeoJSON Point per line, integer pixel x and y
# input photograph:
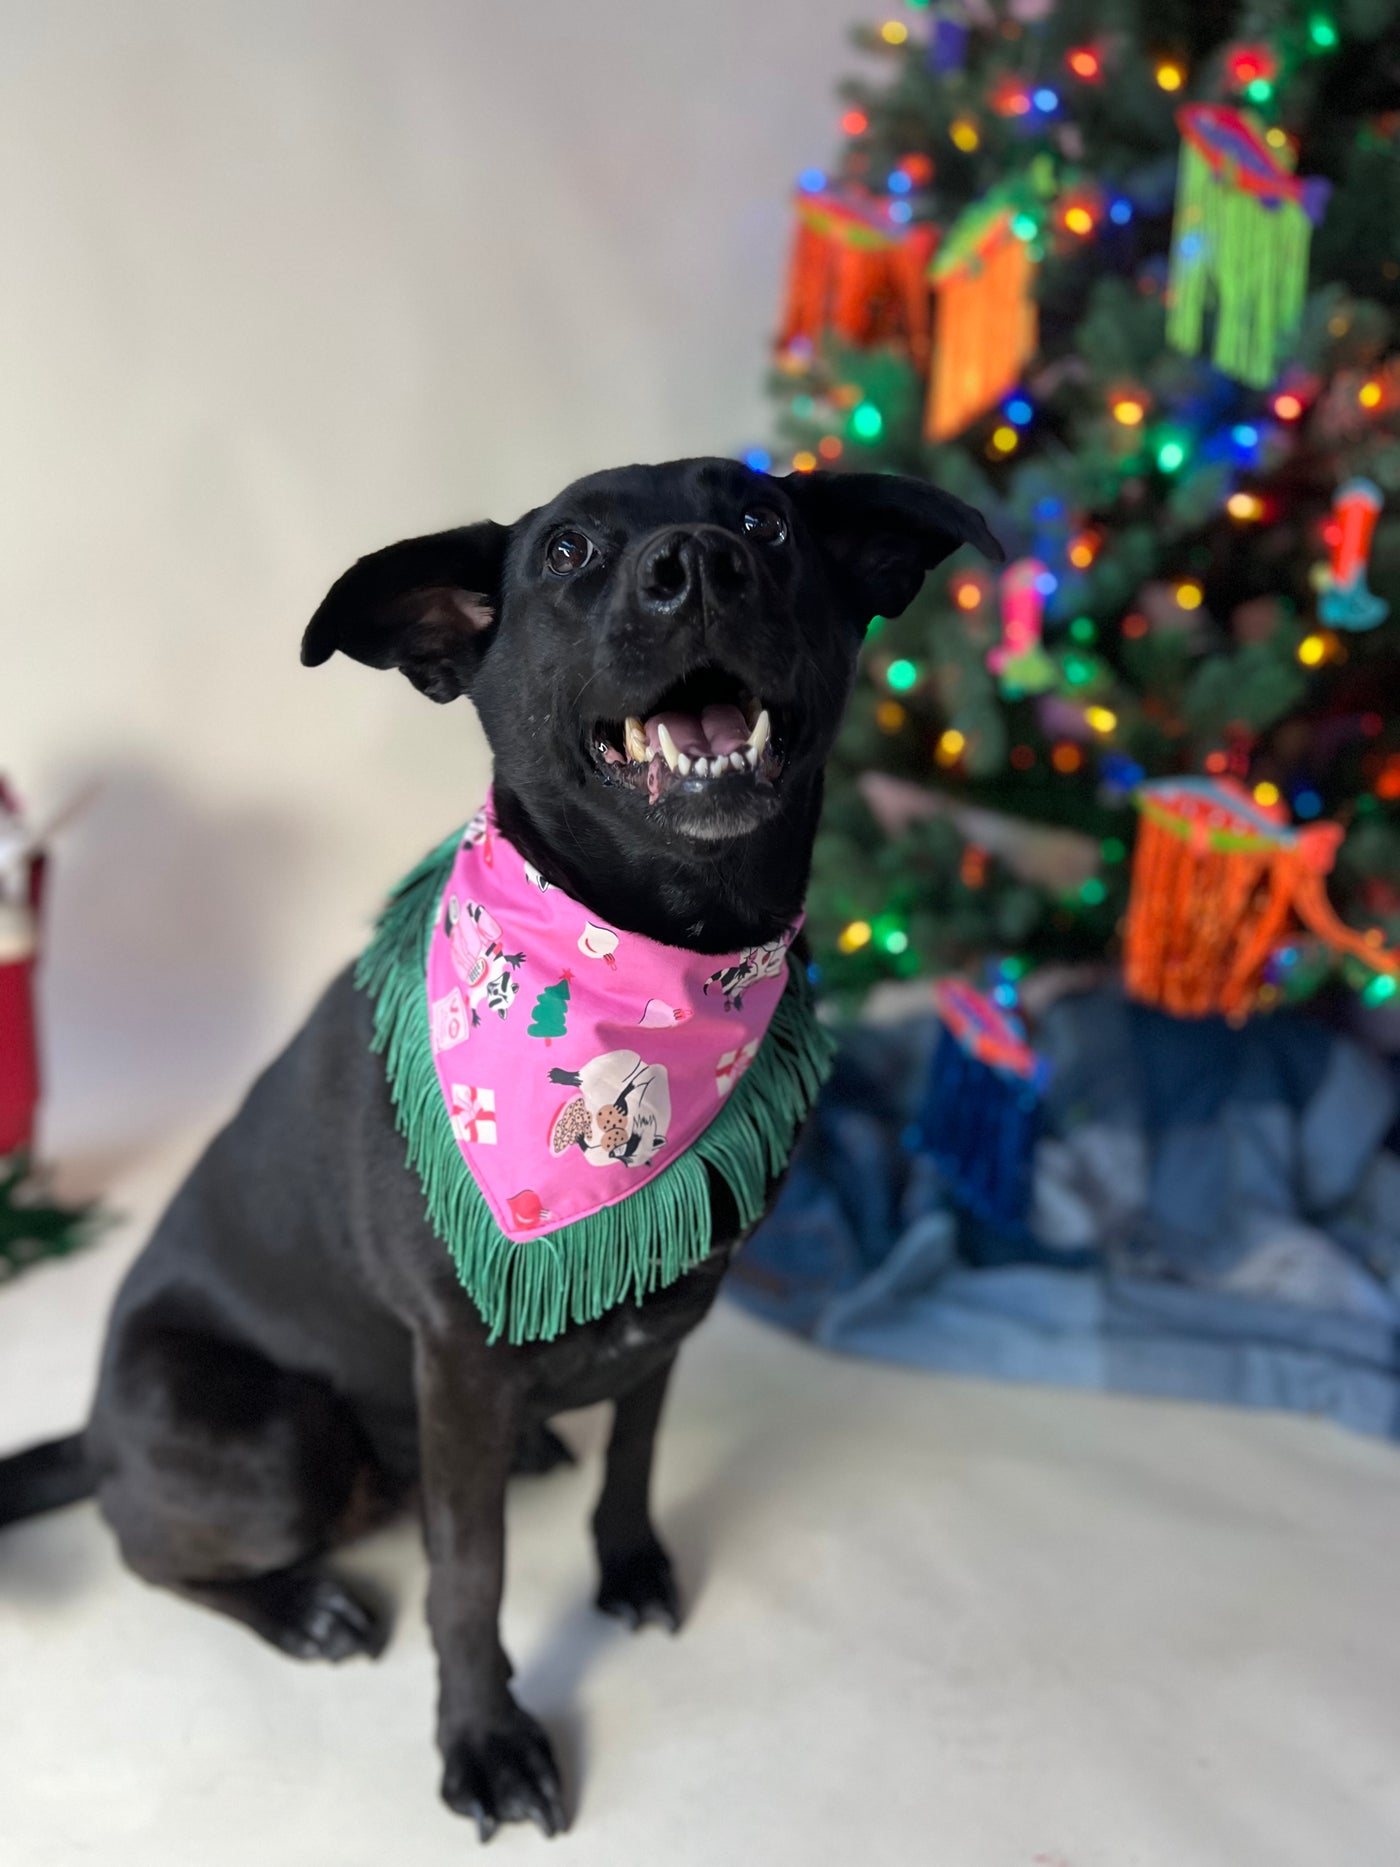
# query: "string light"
{"type": "Point", "coordinates": [1129, 410]}
{"type": "Point", "coordinates": [1083, 61]}
{"type": "Point", "coordinates": [1083, 549]}
{"type": "Point", "coordinates": [900, 211]}
{"type": "Point", "coordinates": [829, 447]}
{"type": "Point", "coordinates": [866, 421]}
{"type": "Point", "coordinates": [1022, 757]}
{"type": "Point", "coordinates": [1121, 212]}
{"type": "Point", "coordinates": [894, 32]}
{"type": "Point", "coordinates": [1019, 411]}
{"type": "Point", "coordinates": [898, 182]}
{"type": "Point", "coordinates": [1321, 32]}
{"type": "Point", "coordinates": [901, 675]}
{"type": "Point", "coordinates": [1245, 506]}
{"type": "Point", "coordinates": [1171, 454]}
{"type": "Point", "coordinates": [812, 181]}
{"type": "Point", "coordinates": [1102, 719]}
{"type": "Point", "coordinates": [1189, 594]}
{"type": "Point", "coordinates": [1046, 100]}
{"type": "Point", "coordinates": [855, 123]}
{"type": "Point", "coordinates": [1024, 227]}
{"type": "Point", "coordinates": [1093, 893]}
{"type": "Point", "coordinates": [1078, 220]}
{"type": "Point", "coordinates": [967, 593]}
{"type": "Point", "coordinates": [1276, 138]}
{"type": "Point", "coordinates": [1135, 625]}
{"type": "Point", "coordinates": [1217, 762]}
{"type": "Point", "coordinates": [1066, 756]}
{"type": "Point", "coordinates": [1287, 407]}
{"type": "Point", "coordinates": [896, 941]}
{"type": "Point", "coordinates": [1312, 650]}
{"type": "Point", "coordinates": [963, 132]}
{"type": "Point", "coordinates": [758, 460]}
{"type": "Point", "coordinates": [853, 936]}
{"type": "Point", "coordinates": [950, 748]}
{"type": "Point", "coordinates": [1082, 630]}
{"type": "Point", "coordinates": [1259, 91]}
{"type": "Point", "coordinates": [1266, 794]}
{"type": "Point", "coordinates": [804, 462]}
{"type": "Point", "coordinates": [1005, 439]}
{"type": "Point", "coordinates": [1381, 989]}
{"type": "Point", "coordinates": [890, 716]}
{"type": "Point", "coordinates": [1169, 75]}
{"type": "Point", "coordinates": [1369, 394]}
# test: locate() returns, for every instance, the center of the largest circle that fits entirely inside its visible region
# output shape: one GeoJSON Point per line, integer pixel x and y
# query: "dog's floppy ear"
{"type": "Point", "coordinates": [883, 531]}
{"type": "Point", "coordinates": [426, 606]}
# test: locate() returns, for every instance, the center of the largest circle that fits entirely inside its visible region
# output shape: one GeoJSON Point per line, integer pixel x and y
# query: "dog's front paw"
{"type": "Point", "coordinates": [639, 1587]}
{"type": "Point", "coordinates": [507, 1774]}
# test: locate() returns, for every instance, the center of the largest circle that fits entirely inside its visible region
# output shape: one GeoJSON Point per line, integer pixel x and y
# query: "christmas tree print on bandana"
{"type": "Point", "coordinates": [619, 1066]}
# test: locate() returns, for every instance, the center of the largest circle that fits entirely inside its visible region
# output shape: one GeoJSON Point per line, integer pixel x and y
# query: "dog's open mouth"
{"type": "Point", "coordinates": [705, 732]}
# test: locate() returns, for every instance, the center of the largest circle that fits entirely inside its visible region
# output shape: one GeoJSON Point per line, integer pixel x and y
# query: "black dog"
{"type": "Point", "coordinates": [292, 1353]}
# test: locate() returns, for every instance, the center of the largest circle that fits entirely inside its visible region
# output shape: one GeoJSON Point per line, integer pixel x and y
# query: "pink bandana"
{"type": "Point", "coordinates": [577, 1061]}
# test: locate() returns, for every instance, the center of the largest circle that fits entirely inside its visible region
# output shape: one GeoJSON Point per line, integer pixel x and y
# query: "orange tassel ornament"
{"type": "Point", "coordinates": [857, 275]}
{"type": "Point", "coordinates": [1219, 883]}
{"type": "Point", "coordinates": [985, 318]}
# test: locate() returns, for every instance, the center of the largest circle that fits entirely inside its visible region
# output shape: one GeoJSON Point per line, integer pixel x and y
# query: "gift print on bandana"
{"type": "Point", "coordinates": [474, 1114]}
{"type": "Point", "coordinates": [450, 1022]}
{"type": "Point", "coordinates": [622, 1111]}
{"type": "Point", "coordinates": [480, 959]}
{"type": "Point", "coordinates": [731, 1066]}
{"type": "Point", "coordinates": [752, 965]}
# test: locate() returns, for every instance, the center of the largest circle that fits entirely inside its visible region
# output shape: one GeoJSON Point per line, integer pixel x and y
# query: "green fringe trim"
{"type": "Point", "coordinates": [530, 1289]}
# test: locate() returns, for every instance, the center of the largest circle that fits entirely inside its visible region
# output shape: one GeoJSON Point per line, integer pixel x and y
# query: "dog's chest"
{"type": "Point", "coordinates": [603, 1359]}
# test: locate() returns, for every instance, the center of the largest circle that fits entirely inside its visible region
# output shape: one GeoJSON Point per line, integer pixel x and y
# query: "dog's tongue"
{"type": "Point", "coordinates": [718, 729]}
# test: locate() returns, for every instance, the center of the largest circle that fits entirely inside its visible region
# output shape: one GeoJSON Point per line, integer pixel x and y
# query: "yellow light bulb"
{"type": "Point", "coordinates": [1312, 650]}
{"type": "Point", "coordinates": [854, 936]}
{"type": "Point", "coordinates": [804, 462]}
{"type": "Point", "coordinates": [1245, 506]}
{"type": "Point", "coordinates": [1188, 595]}
{"type": "Point", "coordinates": [1369, 395]}
{"type": "Point", "coordinates": [1079, 220]}
{"type": "Point", "coordinates": [964, 135]}
{"type": "Point", "coordinates": [1266, 794]}
{"type": "Point", "coordinates": [1169, 76]}
{"type": "Point", "coordinates": [1005, 439]}
{"type": "Point", "coordinates": [1128, 411]}
{"type": "Point", "coordinates": [894, 32]}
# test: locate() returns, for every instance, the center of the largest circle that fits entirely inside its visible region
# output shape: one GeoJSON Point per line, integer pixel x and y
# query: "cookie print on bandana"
{"type": "Point", "coordinates": [731, 1066]}
{"type": "Point", "coordinates": [753, 965]}
{"type": "Point", "coordinates": [474, 1115]}
{"type": "Point", "coordinates": [451, 1025]}
{"type": "Point", "coordinates": [622, 1112]}
{"type": "Point", "coordinates": [605, 1054]}
{"type": "Point", "coordinates": [479, 956]}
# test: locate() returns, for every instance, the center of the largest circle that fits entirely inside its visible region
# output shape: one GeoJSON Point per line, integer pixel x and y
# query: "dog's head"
{"type": "Point", "coordinates": [670, 647]}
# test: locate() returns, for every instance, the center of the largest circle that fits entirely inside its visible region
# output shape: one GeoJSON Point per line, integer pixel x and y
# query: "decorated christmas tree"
{"type": "Point", "coordinates": [1127, 277]}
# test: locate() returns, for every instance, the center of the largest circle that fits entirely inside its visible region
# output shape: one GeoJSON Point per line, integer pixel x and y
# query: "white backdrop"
{"type": "Point", "coordinates": [285, 280]}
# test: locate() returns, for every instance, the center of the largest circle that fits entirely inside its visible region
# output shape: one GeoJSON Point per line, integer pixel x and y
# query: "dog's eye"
{"type": "Point", "coordinates": [765, 526]}
{"type": "Point", "coordinates": [567, 551]}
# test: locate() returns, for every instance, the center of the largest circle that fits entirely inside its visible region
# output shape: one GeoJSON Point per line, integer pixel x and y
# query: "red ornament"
{"type": "Point", "coordinates": [857, 274]}
{"type": "Point", "coordinates": [1248, 63]}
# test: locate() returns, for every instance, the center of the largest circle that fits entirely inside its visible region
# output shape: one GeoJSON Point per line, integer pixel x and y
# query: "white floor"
{"type": "Point", "coordinates": [930, 1622]}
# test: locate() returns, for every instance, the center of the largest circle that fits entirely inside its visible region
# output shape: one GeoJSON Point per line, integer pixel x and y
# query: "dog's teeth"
{"type": "Point", "coordinates": [737, 761]}
{"type": "Point", "coordinates": [702, 767]}
{"type": "Point", "coordinates": [635, 739]}
{"type": "Point", "coordinates": [683, 764]}
{"type": "Point", "coordinates": [668, 745]}
{"type": "Point", "coordinates": [751, 758]}
{"type": "Point", "coordinates": [758, 738]}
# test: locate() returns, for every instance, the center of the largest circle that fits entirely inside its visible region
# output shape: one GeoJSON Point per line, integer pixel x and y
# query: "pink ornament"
{"type": "Point", "coordinates": [1018, 659]}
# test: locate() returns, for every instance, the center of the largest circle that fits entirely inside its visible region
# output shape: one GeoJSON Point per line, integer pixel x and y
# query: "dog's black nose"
{"type": "Point", "coordinates": [689, 564]}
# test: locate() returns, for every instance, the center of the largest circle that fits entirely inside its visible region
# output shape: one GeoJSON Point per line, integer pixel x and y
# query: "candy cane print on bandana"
{"type": "Point", "coordinates": [563, 1085]}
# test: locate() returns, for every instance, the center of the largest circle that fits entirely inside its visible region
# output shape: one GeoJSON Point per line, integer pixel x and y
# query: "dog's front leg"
{"type": "Point", "coordinates": [637, 1583]}
{"type": "Point", "coordinates": [497, 1763]}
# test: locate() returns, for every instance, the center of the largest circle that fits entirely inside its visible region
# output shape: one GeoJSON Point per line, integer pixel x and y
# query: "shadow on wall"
{"type": "Point", "coordinates": [158, 995]}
